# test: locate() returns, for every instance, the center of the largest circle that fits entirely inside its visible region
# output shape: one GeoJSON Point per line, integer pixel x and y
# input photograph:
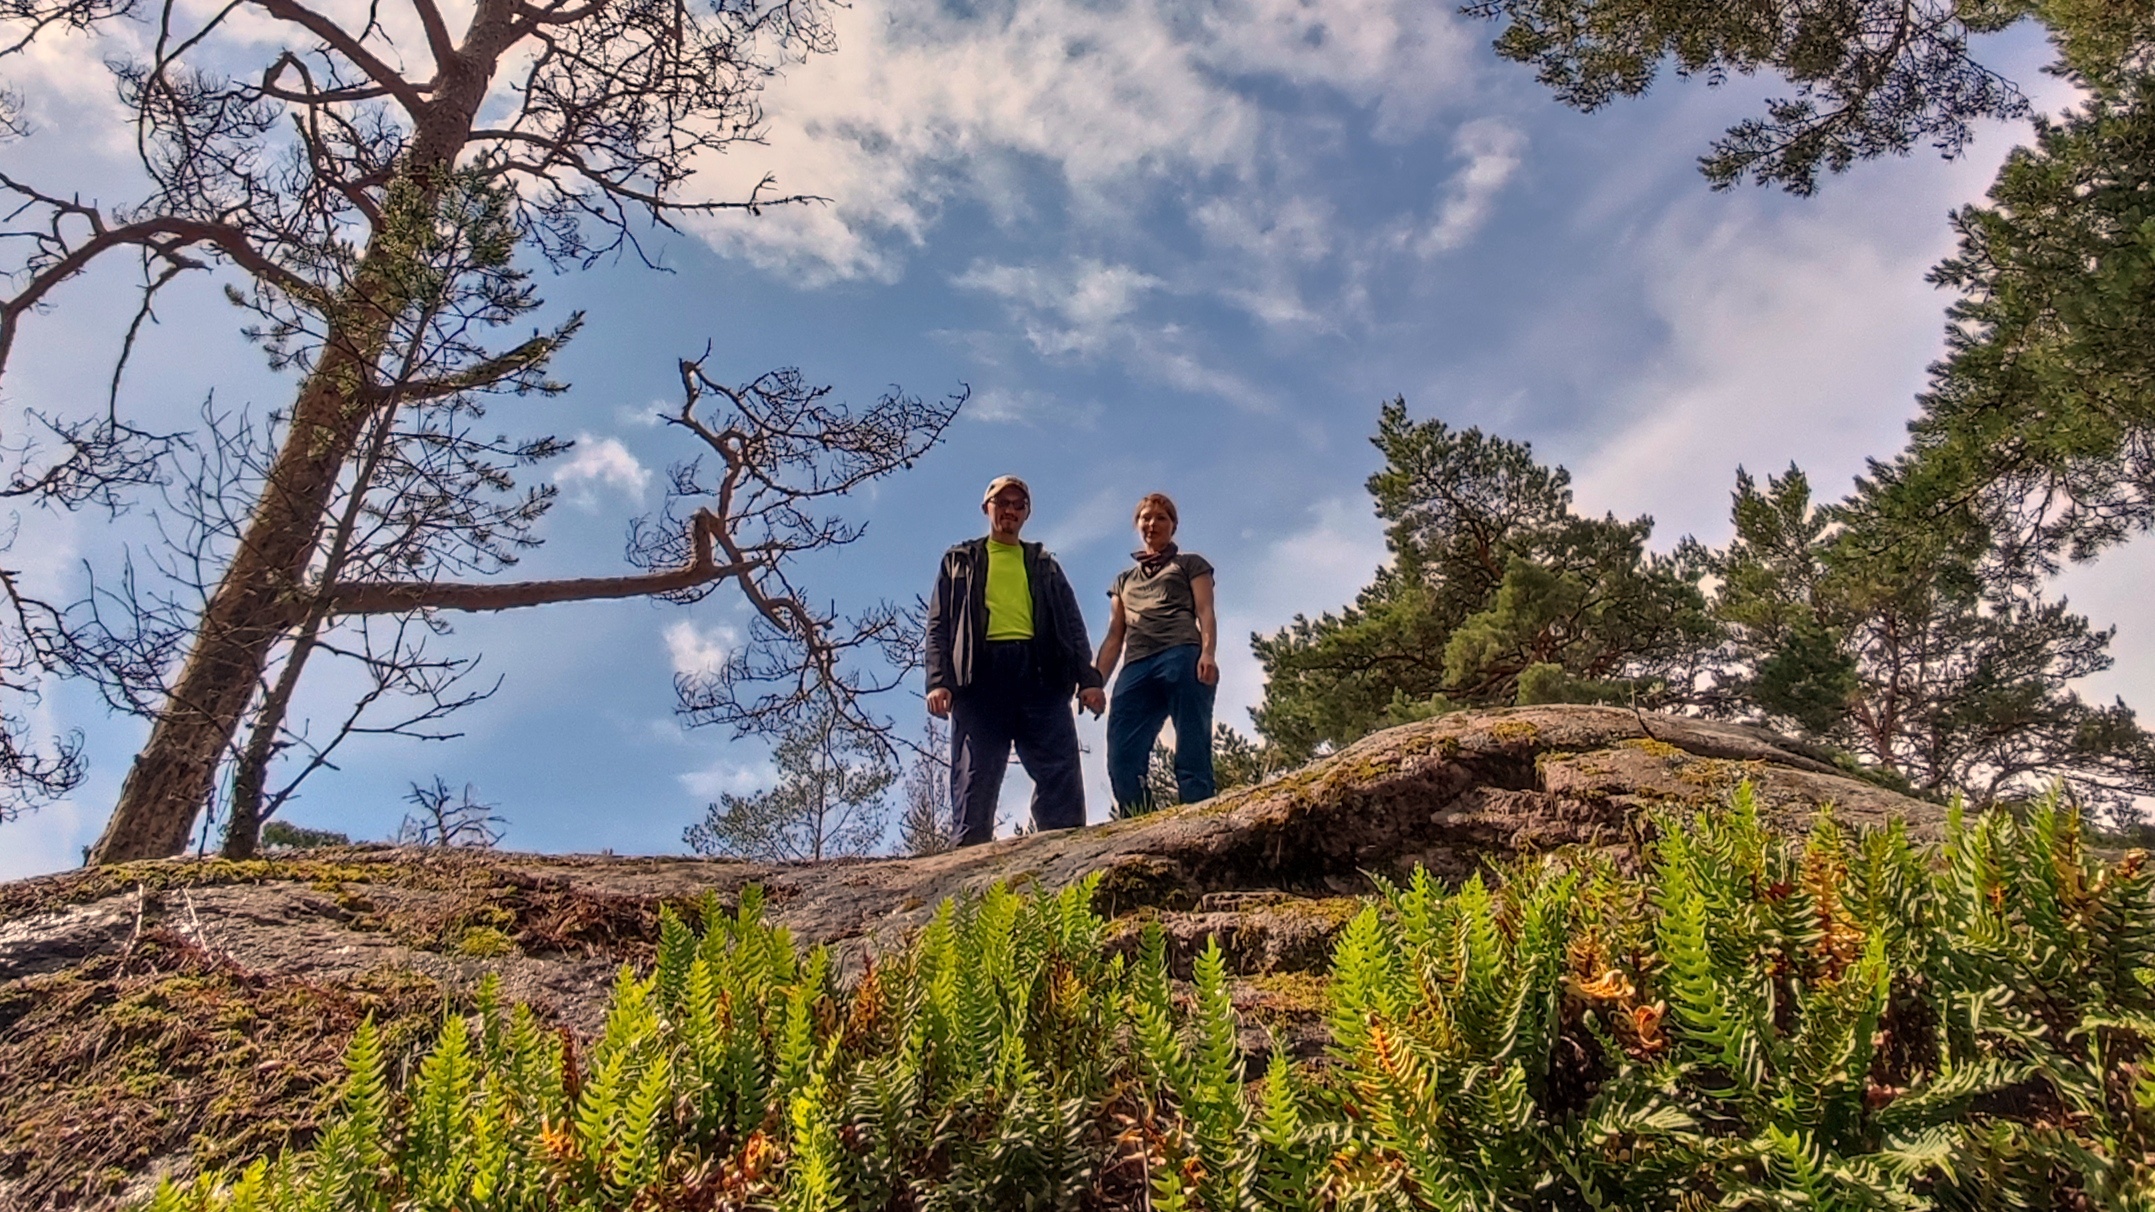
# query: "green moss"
{"type": "Point", "coordinates": [1718, 775]}
{"type": "Point", "coordinates": [176, 1053]}
{"type": "Point", "coordinates": [160, 875]}
{"type": "Point", "coordinates": [1138, 882]}
{"type": "Point", "coordinates": [1515, 732]}
{"type": "Point", "coordinates": [1660, 749]}
{"type": "Point", "coordinates": [1291, 992]}
{"type": "Point", "coordinates": [1336, 911]}
{"type": "Point", "coordinates": [1229, 800]}
{"type": "Point", "coordinates": [484, 942]}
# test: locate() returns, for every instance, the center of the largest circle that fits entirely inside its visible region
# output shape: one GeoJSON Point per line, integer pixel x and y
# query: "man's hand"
{"type": "Point", "coordinates": [1208, 671]}
{"type": "Point", "coordinates": [939, 702]}
{"type": "Point", "coordinates": [1093, 699]}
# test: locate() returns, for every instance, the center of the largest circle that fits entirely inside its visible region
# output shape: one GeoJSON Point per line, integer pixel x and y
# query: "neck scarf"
{"type": "Point", "coordinates": [1151, 562]}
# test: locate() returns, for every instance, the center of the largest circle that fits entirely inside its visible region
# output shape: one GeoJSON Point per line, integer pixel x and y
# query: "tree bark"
{"type": "Point", "coordinates": [243, 832]}
{"type": "Point", "coordinates": [255, 602]}
{"type": "Point", "coordinates": [173, 776]}
{"type": "Point", "coordinates": [399, 597]}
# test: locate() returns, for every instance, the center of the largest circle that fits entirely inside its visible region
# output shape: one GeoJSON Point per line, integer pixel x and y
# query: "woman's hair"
{"type": "Point", "coordinates": [1160, 499]}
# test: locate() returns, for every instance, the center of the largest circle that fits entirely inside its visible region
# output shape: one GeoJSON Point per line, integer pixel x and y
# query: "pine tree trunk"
{"type": "Point", "coordinates": [243, 832]}
{"type": "Point", "coordinates": [257, 601]}
{"type": "Point", "coordinates": [249, 613]}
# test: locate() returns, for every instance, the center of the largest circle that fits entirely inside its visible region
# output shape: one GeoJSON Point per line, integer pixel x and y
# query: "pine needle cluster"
{"type": "Point", "coordinates": [1842, 1020]}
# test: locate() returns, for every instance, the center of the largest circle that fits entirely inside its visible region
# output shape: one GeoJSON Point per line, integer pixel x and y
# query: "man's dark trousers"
{"type": "Point", "coordinates": [1009, 704]}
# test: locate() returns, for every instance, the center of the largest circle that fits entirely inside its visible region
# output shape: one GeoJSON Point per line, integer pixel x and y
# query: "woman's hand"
{"type": "Point", "coordinates": [1208, 671]}
{"type": "Point", "coordinates": [939, 702]}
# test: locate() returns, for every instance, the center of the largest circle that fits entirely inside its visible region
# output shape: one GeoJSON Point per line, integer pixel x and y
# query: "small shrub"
{"type": "Point", "coordinates": [285, 835]}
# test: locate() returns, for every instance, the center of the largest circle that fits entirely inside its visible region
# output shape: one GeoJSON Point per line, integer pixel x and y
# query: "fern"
{"type": "Point", "coordinates": [1364, 980]}
{"type": "Point", "coordinates": [640, 1139]}
{"type": "Point", "coordinates": [814, 1179]}
{"type": "Point", "coordinates": [1288, 1168]}
{"type": "Point", "coordinates": [441, 1110]}
{"type": "Point", "coordinates": [676, 955]}
{"type": "Point", "coordinates": [351, 1155]}
{"type": "Point", "coordinates": [1848, 1020]}
{"type": "Point", "coordinates": [1717, 1006]}
{"type": "Point", "coordinates": [1217, 1109]}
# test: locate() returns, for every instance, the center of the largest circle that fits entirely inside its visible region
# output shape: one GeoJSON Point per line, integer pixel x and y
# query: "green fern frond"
{"type": "Point", "coordinates": [1364, 974]}
{"type": "Point", "coordinates": [641, 1139]}
{"type": "Point", "coordinates": [486, 1010]}
{"type": "Point", "coordinates": [1287, 1176]}
{"type": "Point", "coordinates": [676, 954]}
{"type": "Point", "coordinates": [366, 1097]}
{"type": "Point", "coordinates": [797, 1047]}
{"type": "Point", "coordinates": [441, 1106]}
{"type": "Point", "coordinates": [1715, 1004]}
{"type": "Point", "coordinates": [1219, 1054]}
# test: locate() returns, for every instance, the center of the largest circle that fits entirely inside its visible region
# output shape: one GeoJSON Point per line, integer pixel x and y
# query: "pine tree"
{"type": "Point", "coordinates": [925, 824]}
{"type": "Point", "coordinates": [829, 801]}
{"type": "Point", "coordinates": [1893, 643]}
{"type": "Point", "coordinates": [1498, 593]}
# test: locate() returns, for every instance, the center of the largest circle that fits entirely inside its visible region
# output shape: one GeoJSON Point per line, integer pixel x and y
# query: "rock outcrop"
{"type": "Point", "coordinates": [155, 1017]}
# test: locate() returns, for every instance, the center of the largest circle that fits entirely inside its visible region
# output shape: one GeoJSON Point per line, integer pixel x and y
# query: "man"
{"type": "Point", "coordinates": [1006, 646]}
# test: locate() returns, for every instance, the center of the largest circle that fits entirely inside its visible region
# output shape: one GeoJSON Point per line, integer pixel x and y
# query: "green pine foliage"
{"type": "Point", "coordinates": [1842, 1020]}
{"type": "Point", "coordinates": [1498, 593]}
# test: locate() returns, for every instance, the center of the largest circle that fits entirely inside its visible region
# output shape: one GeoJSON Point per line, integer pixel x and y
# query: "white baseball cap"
{"type": "Point", "coordinates": [999, 483]}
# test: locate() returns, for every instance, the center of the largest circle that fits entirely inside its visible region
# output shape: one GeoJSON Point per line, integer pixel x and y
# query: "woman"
{"type": "Point", "coordinates": [1163, 624]}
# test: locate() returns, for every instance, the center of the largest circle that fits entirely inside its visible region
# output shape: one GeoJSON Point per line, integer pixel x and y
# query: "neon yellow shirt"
{"type": "Point", "coordinates": [1010, 596]}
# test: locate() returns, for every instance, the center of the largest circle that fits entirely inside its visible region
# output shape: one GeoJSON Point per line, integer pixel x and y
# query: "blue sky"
{"type": "Point", "coordinates": [1179, 245]}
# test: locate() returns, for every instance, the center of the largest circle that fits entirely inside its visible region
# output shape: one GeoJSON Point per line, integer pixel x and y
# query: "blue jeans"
{"type": "Point", "coordinates": [1147, 693]}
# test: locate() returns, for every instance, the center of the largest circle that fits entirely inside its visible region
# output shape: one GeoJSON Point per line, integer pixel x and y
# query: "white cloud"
{"type": "Point", "coordinates": [1098, 516]}
{"type": "Point", "coordinates": [601, 463]}
{"type": "Point", "coordinates": [1492, 149]}
{"type": "Point", "coordinates": [997, 404]}
{"type": "Point", "coordinates": [50, 839]}
{"type": "Point", "coordinates": [68, 95]}
{"type": "Point", "coordinates": [727, 777]}
{"type": "Point", "coordinates": [1263, 241]}
{"type": "Point", "coordinates": [1078, 311]}
{"type": "Point", "coordinates": [1086, 310]}
{"type": "Point", "coordinates": [696, 649]}
{"type": "Point", "coordinates": [1310, 571]}
{"type": "Point", "coordinates": [645, 416]}
{"type": "Point", "coordinates": [925, 105]}
{"type": "Point", "coordinates": [1030, 406]}
{"type": "Point", "coordinates": [1792, 334]}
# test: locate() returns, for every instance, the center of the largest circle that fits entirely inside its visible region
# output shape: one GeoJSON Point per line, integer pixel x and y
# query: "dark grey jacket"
{"type": "Point", "coordinates": [958, 620]}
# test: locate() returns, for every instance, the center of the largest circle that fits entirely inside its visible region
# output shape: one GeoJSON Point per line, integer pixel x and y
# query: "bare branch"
{"type": "Point", "coordinates": [391, 597]}
{"type": "Point", "coordinates": [165, 238]}
{"type": "Point", "coordinates": [70, 14]}
{"type": "Point", "coordinates": [102, 461]}
{"type": "Point", "coordinates": [407, 94]}
{"type": "Point", "coordinates": [438, 39]}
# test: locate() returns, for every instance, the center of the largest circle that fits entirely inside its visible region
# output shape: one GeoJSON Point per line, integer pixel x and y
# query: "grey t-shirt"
{"type": "Point", "coordinates": [1160, 611]}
